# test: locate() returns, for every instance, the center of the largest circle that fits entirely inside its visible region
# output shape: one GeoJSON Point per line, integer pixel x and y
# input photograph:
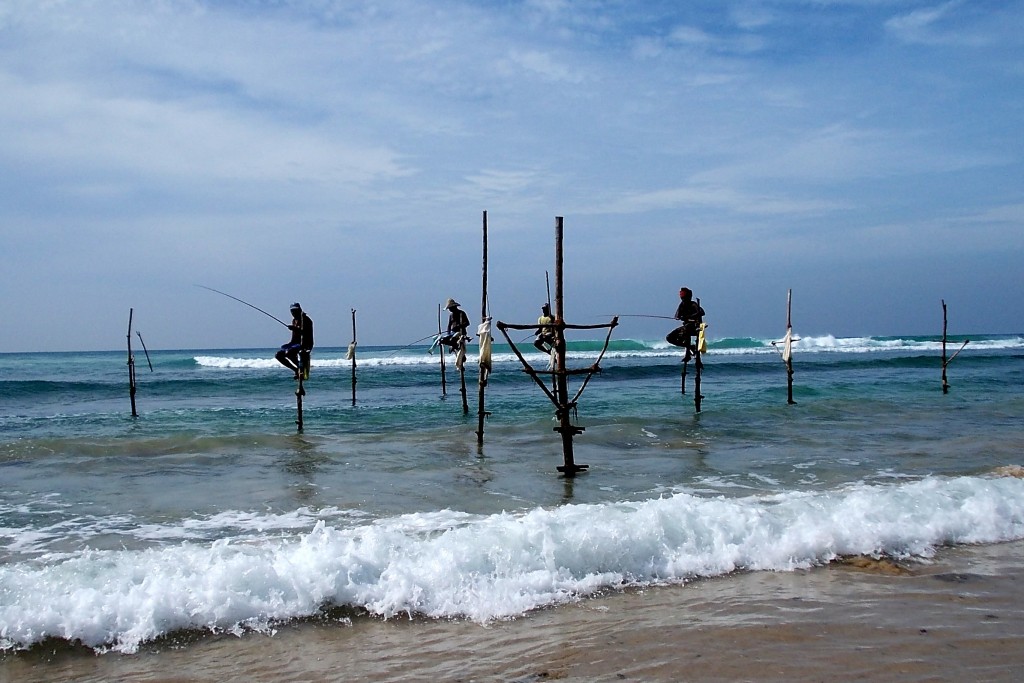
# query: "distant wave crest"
{"type": "Point", "coordinates": [626, 348]}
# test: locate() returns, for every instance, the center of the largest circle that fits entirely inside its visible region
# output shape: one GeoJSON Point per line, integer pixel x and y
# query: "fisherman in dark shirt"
{"type": "Point", "coordinates": [692, 315]}
{"type": "Point", "coordinates": [295, 355]}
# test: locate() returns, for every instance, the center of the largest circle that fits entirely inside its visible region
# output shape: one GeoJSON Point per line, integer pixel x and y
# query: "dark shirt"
{"type": "Point", "coordinates": [302, 332]}
{"type": "Point", "coordinates": [458, 321]}
{"type": "Point", "coordinates": [689, 311]}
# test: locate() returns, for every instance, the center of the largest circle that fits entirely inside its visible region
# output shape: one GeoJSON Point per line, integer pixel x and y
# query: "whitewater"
{"type": "Point", "coordinates": [210, 514]}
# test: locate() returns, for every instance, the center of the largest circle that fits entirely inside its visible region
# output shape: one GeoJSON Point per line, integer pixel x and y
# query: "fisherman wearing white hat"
{"type": "Point", "coordinates": [458, 324]}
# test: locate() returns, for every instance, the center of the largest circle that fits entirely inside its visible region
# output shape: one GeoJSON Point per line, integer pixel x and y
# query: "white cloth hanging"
{"type": "Point", "coordinates": [483, 332]}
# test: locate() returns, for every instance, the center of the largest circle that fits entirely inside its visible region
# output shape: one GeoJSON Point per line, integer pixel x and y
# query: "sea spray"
{"type": "Point", "coordinates": [448, 564]}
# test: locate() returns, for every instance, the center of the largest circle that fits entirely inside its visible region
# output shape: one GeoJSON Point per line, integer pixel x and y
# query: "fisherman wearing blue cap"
{"type": "Point", "coordinates": [295, 355]}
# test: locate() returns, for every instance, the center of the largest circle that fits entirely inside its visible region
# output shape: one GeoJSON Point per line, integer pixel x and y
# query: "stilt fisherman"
{"type": "Point", "coordinates": [692, 315]}
{"type": "Point", "coordinates": [457, 333]}
{"type": "Point", "coordinates": [295, 355]}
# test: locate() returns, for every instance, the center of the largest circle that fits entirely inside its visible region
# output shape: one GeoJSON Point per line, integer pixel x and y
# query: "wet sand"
{"type": "Point", "coordinates": [960, 618]}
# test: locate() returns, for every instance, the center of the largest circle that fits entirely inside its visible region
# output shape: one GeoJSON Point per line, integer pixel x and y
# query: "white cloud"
{"type": "Point", "coordinates": [934, 25]}
{"type": "Point", "coordinates": [208, 134]}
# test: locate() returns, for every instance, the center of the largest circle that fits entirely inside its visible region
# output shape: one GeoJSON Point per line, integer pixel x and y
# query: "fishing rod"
{"type": "Point", "coordinates": [146, 350]}
{"type": "Point", "coordinates": [547, 284]}
{"type": "Point", "coordinates": [429, 336]}
{"type": "Point", "coordinates": [246, 303]}
{"type": "Point", "coordinates": [638, 315]}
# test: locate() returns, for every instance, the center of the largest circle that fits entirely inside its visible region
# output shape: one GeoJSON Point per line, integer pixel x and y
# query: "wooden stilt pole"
{"type": "Point", "coordinates": [462, 378]}
{"type": "Point", "coordinates": [353, 356]}
{"type": "Point", "coordinates": [563, 410]}
{"type": "Point", "coordinates": [698, 366]}
{"type": "Point", "coordinates": [444, 383]}
{"type": "Point", "coordinates": [558, 394]}
{"type": "Point", "coordinates": [788, 349]}
{"type": "Point", "coordinates": [945, 383]}
{"type": "Point", "coordinates": [482, 383]}
{"type": "Point", "coordinates": [686, 364]}
{"type": "Point", "coordinates": [131, 364]}
{"type": "Point", "coordinates": [305, 359]}
{"type": "Point", "coordinates": [945, 361]}
{"type": "Point", "coordinates": [547, 283]}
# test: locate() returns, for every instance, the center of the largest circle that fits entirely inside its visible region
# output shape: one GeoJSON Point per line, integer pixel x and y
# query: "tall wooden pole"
{"type": "Point", "coordinates": [300, 391]}
{"type": "Point", "coordinates": [131, 364]}
{"type": "Point", "coordinates": [353, 356]}
{"type": "Point", "coordinates": [945, 384]}
{"type": "Point", "coordinates": [682, 381]}
{"type": "Point", "coordinates": [444, 383]}
{"type": "Point", "coordinates": [698, 365]}
{"type": "Point", "coordinates": [482, 385]}
{"type": "Point", "coordinates": [565, 426]}
{"type": "Point", "coordinates": [558, 394]}
{"type": "Point", "coordinates": [305, 360]}
{"type": "Point", "coordinates": [462, 377]}
{"type": "Point", "coordinates": [947, 361]}
{"type": "Point", "coordinates": [788, 348]}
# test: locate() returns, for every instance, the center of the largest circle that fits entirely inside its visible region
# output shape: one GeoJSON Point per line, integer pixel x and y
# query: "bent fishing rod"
{"type": "Point", "coordinates": [403, 348]}
{"type": "Point", "coordinates": [638, 315]}
{"type": "Point", "coordinates": [244, 302]}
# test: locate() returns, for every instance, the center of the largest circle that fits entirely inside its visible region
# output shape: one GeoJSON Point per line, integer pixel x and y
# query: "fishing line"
{"type": "Point", "coordinates": [244, 302]}
{"type": "Point", "coordinates": [639, 315]}
{"type": "Point", "coordinates": [429, 336]}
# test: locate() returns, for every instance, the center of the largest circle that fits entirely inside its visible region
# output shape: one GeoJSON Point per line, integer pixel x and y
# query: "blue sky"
{"type": "Point", "coordinates": [867, 154]}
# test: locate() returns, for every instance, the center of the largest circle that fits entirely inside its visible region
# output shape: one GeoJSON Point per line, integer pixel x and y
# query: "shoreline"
{"type": "Point", "coordinates": [958, 617]}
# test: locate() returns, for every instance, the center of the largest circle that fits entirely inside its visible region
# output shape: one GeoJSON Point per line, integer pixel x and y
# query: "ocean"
{"type": "Point", "coordinates": [210, 520]}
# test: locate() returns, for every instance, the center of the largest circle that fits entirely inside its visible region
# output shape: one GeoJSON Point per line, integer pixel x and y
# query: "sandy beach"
{"type": "Point", "coordinates": [960, 618]}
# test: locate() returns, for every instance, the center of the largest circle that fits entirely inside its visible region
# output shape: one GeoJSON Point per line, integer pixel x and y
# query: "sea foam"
{"type": "Point", "coordinates": [448, 564]}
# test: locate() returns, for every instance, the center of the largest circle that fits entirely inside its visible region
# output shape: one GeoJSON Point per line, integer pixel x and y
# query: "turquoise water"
{"type": "Point", "coordinates": [211, 511]}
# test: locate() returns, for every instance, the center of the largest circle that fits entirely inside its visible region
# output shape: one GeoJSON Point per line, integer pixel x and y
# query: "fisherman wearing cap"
{"type": "Point", "coordinates": [458, 324]}
{"type": "Point", "coordinates": [692, 315]}
{"type": "Point", "coordinates": [295, 355]}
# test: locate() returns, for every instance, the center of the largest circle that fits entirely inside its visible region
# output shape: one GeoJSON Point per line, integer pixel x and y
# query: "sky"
{"type": "Point", "coordinates": [866, 154]}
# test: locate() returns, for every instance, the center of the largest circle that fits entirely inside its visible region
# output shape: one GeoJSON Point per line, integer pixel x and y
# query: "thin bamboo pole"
{"type": "Point", "coordinates": [481, 412]}
{"type": "Point", "coordinates": [444, 382]}
{"type": "Point", "coordinates": [462, 377]}
{"type": "Point", "coordinates": [304, 360]}
{"type": "Point", "coordinates": [789, 347]}
{"type": "Point", "coordinates": [698, 366]}
{"type": "Point", "coordinates": [945, 361]}
{"type": "Point", "coordinates": [945, 383]}
{"type": "Point", "coordinates": [131, 365]}
{"type": "Point", "coordinates": [353, 356]}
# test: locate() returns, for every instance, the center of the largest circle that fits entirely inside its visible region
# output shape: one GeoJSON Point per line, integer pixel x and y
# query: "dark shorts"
{"type": "Point", "coordinates": [681, 336]}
